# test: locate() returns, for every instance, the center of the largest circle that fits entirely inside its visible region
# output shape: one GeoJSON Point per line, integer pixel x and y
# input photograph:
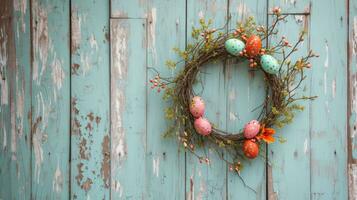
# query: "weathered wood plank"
{"type": "Point", "coordinates": [21, 166]}
{"type": "Point", "coordinates": [165, 162]}
{"type": "Point", "coordinates": [246, 91]}
{"type": "Point", "coordinates": [291, 6]}
{"type": "Point", "coordinates": [7, 104]}
{"type": "Point", "coordinates": [208, 181]}
{"type": "Point", "coordinates": [284, 182]}
{"type": "Point", "coordinates": [129, 9]}
{"type": "Point", "coordinates": [128, 108]}
{"type": "Point", "coordinates": [90, 137]}
{"type": "Point", "coordinates": [50, 99]}
{"type": "Point", "coordinates": [329, 111]}
{"type": "Point", "coordinates": [352, 100]}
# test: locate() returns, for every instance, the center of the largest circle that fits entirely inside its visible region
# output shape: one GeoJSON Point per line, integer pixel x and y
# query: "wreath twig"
{"type": "Point", "coordinates": [242, 43]}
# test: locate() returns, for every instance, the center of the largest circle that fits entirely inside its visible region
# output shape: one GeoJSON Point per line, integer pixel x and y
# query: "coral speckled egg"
{"type": "Point", "coordinates": [251, 129]}
{"type": "Point", "coordinates": [234, 46]}
{"type": "Point", "coordinates": [250, 149]}
{"type": "Point", "coordinates": [197, 107]}
{"type": "Point", "coordinates": [269, 64]}
{"type": "Point", "coordinates": [203, 126]}
{"type": "Point", "coordinates": [253, 45]}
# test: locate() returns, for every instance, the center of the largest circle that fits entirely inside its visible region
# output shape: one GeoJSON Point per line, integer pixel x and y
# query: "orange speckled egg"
{"type": "Point", "coordinates": [250, 149]}
{"type": "Point", "coordinates": [253, 45]}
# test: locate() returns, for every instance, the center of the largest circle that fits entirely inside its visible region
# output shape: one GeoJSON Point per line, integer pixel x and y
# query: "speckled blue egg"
{"type": "Point", "coordinates": [234, 46]}
{"type": "Point", "coordinates": [269, 64]}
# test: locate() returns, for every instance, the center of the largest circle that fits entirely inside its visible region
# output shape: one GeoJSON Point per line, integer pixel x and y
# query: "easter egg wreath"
{"type": "Point", "coordinates": [282, 77]}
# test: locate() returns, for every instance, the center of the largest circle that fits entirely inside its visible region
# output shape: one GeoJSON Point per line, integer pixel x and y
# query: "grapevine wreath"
{"type": "Point", "coordinates": [282, 77]}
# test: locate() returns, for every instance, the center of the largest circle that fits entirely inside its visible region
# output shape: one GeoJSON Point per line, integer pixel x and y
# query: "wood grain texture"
{"type": "Point", "coordinates": [50, 99]}
{"type": "Point", "coordinates": [291, 6]}
{"type": "Point", "coordinates": [245, 93]}
{"type": "Point", "coordinates": [128, 108]}
{"type": "Point", "coordinates": [7, 104]}
{"type": "Point", "coordinates": [90, 104]}
{"type": "Point", "coordinates": [352, 99]}
{"type": "Point", "coordinates": [21, 168]}
{"type": "Point", "coordinates": [165, 161]}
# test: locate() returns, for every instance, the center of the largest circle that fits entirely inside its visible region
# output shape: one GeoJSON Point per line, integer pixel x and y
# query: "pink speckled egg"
{"type": "Point", "coordinates": [197, 107]}
{"type": "Point", "coordinates": [203, 126]}
{"type": "Point", "coordinates": [251, 129]}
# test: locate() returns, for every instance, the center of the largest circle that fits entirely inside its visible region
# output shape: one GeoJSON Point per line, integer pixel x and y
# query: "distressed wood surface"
{"type": "Point", "coordinates": [50, 99]}
{"type": "Point", "coordinates": [78, 120]}
{"type": "Point", "coordinates": [128, 108]}
{"type": "Point", "coordinates": [352, 100]}
{"type": "Point", "coordinates": [90, 100]}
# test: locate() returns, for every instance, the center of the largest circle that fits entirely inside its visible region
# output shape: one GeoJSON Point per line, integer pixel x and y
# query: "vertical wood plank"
{"type": "Point", "coordinates": [208, 181]}
{"type": "Point", "coordinates": [285, 159]}
{"type": "Point", "coordinates": [21, 166]}
{"type": "Point", "coordinates": [50, 99]}
{"type": "Point", "coordinates": [352, 100]}
{"type": "Point", "coordinates": [90, 137]}
{"type": "Point", "coordinates": [128, 108]}
{"type": "Point", "coordinates": [129, 9]}
{"type": "Point", "coordinates": [246, 91]}
{"type": "Point", "coordinates": [7, 105]}
{"type": "Point", "coordinates": [165, 163]}
{"type": "Point", "coordinates": [328, 112]}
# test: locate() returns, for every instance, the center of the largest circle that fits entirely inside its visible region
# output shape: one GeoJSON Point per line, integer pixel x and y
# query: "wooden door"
{"type": "Point", "coordinates": [78, 120]}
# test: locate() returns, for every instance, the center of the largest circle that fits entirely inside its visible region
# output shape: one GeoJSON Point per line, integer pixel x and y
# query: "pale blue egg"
{"type": "Point", "coordinates": [269, 64]}
{"type": "Point", "coordinates": [234, 46]}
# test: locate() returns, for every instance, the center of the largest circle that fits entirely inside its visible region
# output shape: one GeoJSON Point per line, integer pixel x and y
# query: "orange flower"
{"type": "Point", "coordinates": [266, 134]}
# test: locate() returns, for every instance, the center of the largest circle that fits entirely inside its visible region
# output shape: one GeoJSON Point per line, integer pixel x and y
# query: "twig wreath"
{"type": "Point", "coordinates": [282, 77]}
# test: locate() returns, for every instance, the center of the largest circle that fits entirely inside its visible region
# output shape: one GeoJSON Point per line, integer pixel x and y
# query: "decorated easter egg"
{"type": "Point", "coordinates": [253, 45]}
{"type": "Point", "coordinates": [251, 129]}
{"type": "Point", "coordinates": [197, 106]}
{"type": "Point", "coordinates": [202, 126]}
{"type": "Point", "coordinates": [234, 46]}
{"type": "Point", "coordinates": [250, 149]}
{"type": "Point", "coordinates": [269, 64]}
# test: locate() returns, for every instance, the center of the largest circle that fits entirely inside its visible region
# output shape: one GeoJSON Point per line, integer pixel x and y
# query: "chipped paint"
{"type": "Point", "coordinates": [13, 130]}
{"type": "Point", "coordinates": [152, 34]}
{"type": "Point", "coordinates": [117, 187]}
{"type": "Point", "coordinates": [232, 116]}
{"type": "Point", "coordinates": [156, 166]}
{"type": "Point", "coordinates": [272, 194]}
{"type": "Point", "coordinates": [354, 36]}
{"type": "Point", "coordinates": [4, 143]}
{"type": "Point", "coordinates": [76, 30]}
{"type": "Point", "coordinates": [93, 42]}
{"type": "Point", "coordinates": [58, 75]}
{"type": "Point", "coordinates": [333, 88]}
{"type": "Point", "coordinates": [41, 41]}
{"type": "Point", "coordinates": [326, 63]}
{"type": "Point", "coordinates": [4, 92]}
{"type": "Point", "coordinates": [352, 181]}
{"type": "Point", "coordinates": [306, 146]}
{"type": "Point", "coordinates": [119, 71]}
{"type": "Point", "coordinates": [37, 148]}
{"type": "Point", "coordinates": [57, 183]}
{"type": "Point", "coordinates": [20, 104]}
{"type": "Point", "coordinates": [20, 6]}
{"type": "Point", "coordinates": [242, 10]}
{"type": "Point", "coordinates": [105, 165]}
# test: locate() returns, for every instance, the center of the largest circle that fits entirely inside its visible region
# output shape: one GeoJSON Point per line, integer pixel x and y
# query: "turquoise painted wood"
{"type": "Point", "coordinates": [78, 120]}
{"type": "Point", "coordinates": [165, 162]}
{"type": "Point", "coordinates": [21, 168]}
{"type": "Point", "coordinates": [295, 149]}
{"type": "Point", "coordinates": [90, 100]}
{"type": "Point", "coordinates": [128, 107]}
{"type": "Point", "coordinates": [50, 99]}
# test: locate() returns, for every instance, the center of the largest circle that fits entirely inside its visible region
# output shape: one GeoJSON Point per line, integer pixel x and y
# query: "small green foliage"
{"type": "Point", "coordinates": [170, 64]}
